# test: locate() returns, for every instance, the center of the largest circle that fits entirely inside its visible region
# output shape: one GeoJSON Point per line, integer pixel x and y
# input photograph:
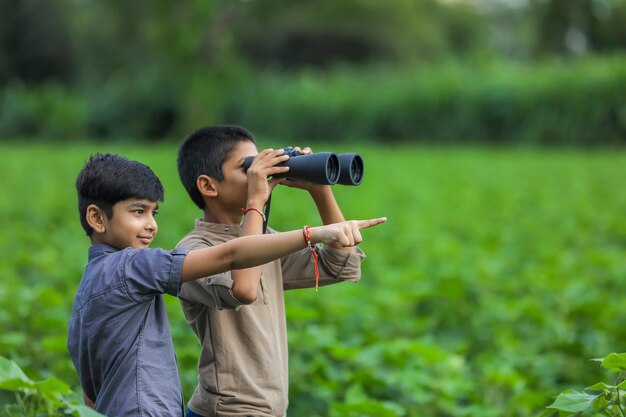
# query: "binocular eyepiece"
{"type": "Point", "coordinates": [325, 168]}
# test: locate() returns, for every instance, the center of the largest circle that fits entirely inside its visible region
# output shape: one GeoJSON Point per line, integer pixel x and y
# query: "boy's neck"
{"type": "Point", "coordinates": [232, 219]}
{"type": "Point", "coordinates": [98, 240]}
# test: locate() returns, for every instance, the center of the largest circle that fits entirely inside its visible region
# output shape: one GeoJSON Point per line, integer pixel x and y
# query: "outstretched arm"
{"type": "Point", "coordinates": [250, 251]}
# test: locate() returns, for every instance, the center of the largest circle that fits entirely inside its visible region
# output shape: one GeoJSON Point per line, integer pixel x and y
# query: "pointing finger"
{"type": "Point", "coordinates": [364, 224]}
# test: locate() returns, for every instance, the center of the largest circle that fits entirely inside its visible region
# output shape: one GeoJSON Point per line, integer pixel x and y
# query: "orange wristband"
{"type": "Point", "coordinates": [306, 231]}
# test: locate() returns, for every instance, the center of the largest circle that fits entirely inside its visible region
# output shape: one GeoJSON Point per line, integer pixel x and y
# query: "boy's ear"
{"type": "Point", "coordinates": [207, 186]}
{"type": "Point", "coordinates": [95, 218]}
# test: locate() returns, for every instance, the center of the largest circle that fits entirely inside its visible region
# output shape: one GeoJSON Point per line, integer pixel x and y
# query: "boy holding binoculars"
{"type": "Point", "coordinates": [239, 316]}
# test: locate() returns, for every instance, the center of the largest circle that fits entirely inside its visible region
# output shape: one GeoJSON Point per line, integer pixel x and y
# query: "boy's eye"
{"type": "Point", "coordinates": [138, 212]}
{"type": "Point", "coordinates": [154, 213]}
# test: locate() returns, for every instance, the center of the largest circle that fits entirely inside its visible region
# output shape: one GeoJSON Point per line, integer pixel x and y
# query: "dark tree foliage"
{"type": "Point", "coordinates": [322, 33]}
{"type": "Point", "coordinates": [150, 68]}
{"type": "Point", "coordinates": [579, 26]}
{"type": "Point", "coordinates": [36, 41]}
{"type": "Point", "coordinates": [72, 41]}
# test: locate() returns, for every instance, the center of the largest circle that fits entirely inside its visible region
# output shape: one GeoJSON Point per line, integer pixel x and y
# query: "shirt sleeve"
{"type": "Point", "coordinates": [147, 272]}
{"type": "Point", "coordinates": [215, 291]}
{"type": "Point", "coordinates": [335, 265]}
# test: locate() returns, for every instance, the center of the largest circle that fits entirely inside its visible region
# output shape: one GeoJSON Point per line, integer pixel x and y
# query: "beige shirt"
{"type": "Point", "coordinates": [243, 364]}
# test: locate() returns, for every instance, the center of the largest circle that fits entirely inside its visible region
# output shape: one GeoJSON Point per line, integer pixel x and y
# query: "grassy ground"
{"type": "Point", "coordinates": [498, 276]}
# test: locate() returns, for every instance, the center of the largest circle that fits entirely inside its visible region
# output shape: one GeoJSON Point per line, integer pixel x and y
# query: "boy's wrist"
{"type": "Point", "coordinates": [255, 203]}
{"type": "Point", "coordinates": [255, 210]}
{"type": "Point", "coordinates": [315, 235]}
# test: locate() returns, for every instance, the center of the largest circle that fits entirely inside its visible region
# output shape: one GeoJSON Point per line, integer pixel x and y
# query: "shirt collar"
{"type": "Point", "coordinates": [100, 249]}
{"type": "Point", "coordinates": [226, 229]}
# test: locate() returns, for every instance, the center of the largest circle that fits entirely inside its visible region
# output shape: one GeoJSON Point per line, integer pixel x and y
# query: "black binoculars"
{"type": "Point", "coordinates": [325, 168]}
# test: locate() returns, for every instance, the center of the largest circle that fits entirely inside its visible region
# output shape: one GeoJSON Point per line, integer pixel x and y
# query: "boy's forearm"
{"type": "Point", "coordinates": [328, 208]}
{"type": "Point", "coordinates": [327, 205]}
{"type": "Point", "coordinates": [246, 281]}
{"type": "Point", "coordinates": [240, 253]}
{"type": "Point", "coordinates": [259, 250]}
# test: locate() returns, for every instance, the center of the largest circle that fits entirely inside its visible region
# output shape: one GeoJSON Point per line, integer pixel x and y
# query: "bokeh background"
{"type": "Point", "coordinates": [548, 71]}
{"type": "Point", "coordinates": [493, 136]}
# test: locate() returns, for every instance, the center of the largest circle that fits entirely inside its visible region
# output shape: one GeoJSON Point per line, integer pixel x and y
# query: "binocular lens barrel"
{"type": "Point", "coordinates": [325, 168]}
{"type": "Point", "coordinates": [319, 168]}
{"type": "Point", "coordinates": [351, 169]}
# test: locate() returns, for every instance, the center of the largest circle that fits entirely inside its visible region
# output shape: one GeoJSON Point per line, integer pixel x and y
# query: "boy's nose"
{"type": "Point", "coordinates": [151, 225]}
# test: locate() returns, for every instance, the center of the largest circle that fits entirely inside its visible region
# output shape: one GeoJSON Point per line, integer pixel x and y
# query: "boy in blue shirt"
{"type": "Point", "coordinates": [119, 338]}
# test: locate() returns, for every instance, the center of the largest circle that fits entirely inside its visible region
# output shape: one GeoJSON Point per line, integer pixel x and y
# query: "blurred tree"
{"type": "Point", "coordinates": [579, 26]}
{"type": "Point", "coordinates": [145, 68]}
{"type": "Point", "coordinates": [93, 41]}
{"type": "Point", "coordinates": [35, 41]}
{"type": "Point", "coordinates": [122, 36]}
{"type": "Point", "coordinates": [511, 32]}
{"type": "Point", "coordinates": [138, 59]}
{"type": "Point", "coordinates": [291, 34]}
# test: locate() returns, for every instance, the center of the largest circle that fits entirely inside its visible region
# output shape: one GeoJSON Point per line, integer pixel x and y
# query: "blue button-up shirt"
{"type": "Point", "coordinates": [119, 337]}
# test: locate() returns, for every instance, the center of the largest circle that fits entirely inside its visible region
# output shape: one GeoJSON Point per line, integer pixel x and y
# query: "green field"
{"type": "Point", "coordinates": [499, 274]}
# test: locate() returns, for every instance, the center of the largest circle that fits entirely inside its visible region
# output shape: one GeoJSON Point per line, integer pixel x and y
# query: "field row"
{"type": "Point", "coordinates": [499, 274]}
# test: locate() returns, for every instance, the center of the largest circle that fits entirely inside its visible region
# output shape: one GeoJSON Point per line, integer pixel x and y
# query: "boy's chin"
{"type": "Point", "coordinates": [139, 245]}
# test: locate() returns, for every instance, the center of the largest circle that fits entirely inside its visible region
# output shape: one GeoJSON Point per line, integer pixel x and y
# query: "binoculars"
{"type": "Point", "coordinates": [325, 168]}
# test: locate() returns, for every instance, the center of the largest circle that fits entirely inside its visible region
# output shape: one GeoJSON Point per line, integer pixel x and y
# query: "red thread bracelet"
{"type": "Point", "coordinates": [244, 211]}
{"type": "Point", "coordinates": [306, 231]}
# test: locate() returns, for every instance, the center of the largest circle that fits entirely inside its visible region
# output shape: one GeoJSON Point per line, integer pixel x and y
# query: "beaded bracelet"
{"type": "Point", "coordinates": [306, 231]}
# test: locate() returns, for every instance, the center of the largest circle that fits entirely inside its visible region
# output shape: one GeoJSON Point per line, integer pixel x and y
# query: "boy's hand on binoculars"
{"type": "Point", "coordinates": [303, 185]}
{"type": "Point", "coordinates": [264, 166]}
{"type": "Point", "coordinates": [345, 233]}
{"type": "Point", "coordinates": [305, 151]}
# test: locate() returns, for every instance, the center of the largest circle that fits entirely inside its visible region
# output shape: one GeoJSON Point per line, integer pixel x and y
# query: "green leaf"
{"type": "Point", "coordinates": [368, 408]}
{"type": "Point", "coordinates": [600, 386]}
{"type": "Point", "coordinates": [53, 391]}
{"type": "Point", "coordinates": [573, 401]}
{"type": "Point", "coordinates": [12, 377]}
{"type": "Point", "coordinates": [355, 394]}
{"type": "Point", "coordinates": [53, 386]}
{"type": "Point", "coordinates": [82, 411]}
{"type": "Point", "coordinates": [616, 362]}
{"type": "Point", "coordinates": [602, 403]}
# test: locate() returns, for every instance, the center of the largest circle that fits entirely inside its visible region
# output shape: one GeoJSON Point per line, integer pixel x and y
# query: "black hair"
{"type": "Point", "coordinates": [107, 179]}
{"type": "Point", "coordinates": [204, 153]}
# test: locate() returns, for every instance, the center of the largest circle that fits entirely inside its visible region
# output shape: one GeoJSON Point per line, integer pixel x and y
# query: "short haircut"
{"type": "Point", "coordinates": [204, 153]}
{"type": "Point", "coordinates": [107, 179]}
